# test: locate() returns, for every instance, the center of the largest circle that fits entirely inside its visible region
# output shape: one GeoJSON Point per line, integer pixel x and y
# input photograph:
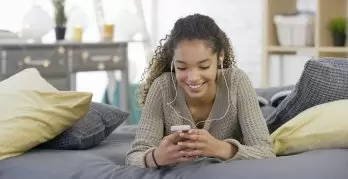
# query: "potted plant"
{"type": "Point", "coordinates": [338, 27]}
{"type": "Point", "coordinates": [60, 19]}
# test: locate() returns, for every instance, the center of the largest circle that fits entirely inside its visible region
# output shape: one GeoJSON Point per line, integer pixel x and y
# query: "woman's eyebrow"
{"type": "Point", "coordinates": [202, 61]}
{"type": "Point", "coordinates": [205, 60]}
{"type": "Point", "coordinates": [179, 61]}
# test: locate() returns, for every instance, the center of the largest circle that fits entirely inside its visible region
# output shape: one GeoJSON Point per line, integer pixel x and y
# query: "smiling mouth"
{"type": "Point", "coordinates": [195, 86]}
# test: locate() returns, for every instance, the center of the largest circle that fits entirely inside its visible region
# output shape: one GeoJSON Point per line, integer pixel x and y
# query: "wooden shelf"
{"type": "Point", "coordinates": [323, 47]}
{"type": "Point", "coordinates": [290, 50]}
{"type": "Point", "coordinates": [334, 49]}
{"type": "Point", "coordinates": [294, 50]}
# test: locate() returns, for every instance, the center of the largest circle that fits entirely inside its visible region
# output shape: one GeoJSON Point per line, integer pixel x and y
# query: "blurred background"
{"type": "Point", "coordinates": [272, 39]}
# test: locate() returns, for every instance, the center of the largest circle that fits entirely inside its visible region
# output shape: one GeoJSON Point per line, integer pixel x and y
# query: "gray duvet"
{"type": "Point", "coordinates": [321, 164]}
{"type": "Point", "coordinates": [106, 162]}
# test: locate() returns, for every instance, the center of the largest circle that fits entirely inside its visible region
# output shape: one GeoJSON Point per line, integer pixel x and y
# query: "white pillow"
{"type": "Point", "coordinates": [28, 79]}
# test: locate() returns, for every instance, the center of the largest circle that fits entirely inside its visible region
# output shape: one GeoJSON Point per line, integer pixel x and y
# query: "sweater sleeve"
{"type": "Point", "coordinates": [150, 129]}
{"type": "Point", "coordinates": [256, 138]}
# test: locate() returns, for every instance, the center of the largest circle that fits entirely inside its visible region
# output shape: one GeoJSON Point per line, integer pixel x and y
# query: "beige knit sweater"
{"type": "Point", "coordinates": [243, 126]}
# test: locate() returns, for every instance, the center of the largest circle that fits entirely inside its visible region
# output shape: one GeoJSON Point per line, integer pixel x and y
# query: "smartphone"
{"type": "Point", "coordinates": [181, 128]}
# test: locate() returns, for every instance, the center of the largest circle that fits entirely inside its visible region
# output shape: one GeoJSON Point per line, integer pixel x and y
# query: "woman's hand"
{"type": "Point", "coordinates": [168, 152]}
{"type": "Point", "coordinates": [201, 143]}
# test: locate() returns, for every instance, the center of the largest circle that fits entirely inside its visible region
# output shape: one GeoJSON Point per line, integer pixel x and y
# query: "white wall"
{"type": "Point", "coordinates": [242, 21]}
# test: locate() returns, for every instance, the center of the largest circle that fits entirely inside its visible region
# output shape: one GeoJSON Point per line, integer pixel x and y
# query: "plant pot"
{"type": "Point", "coordinates": [339, 39]}
{"type": "Point", "coordinates": [60, 33]}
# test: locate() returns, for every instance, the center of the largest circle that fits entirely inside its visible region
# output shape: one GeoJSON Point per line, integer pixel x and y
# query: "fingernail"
{"type": "Point", "coordinates": [179, 143]}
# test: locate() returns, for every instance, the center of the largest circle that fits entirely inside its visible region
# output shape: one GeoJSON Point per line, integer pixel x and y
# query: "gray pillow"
{"type": "Point", "coordinates": [321, 81]}
{"type": "Point", "coordinates": [267, 111]}
{"type": "Point", "coordinates": [270, 93]}
{"type": "Point", "coordinates": [99, 122]}
{"type": "Point", "coordinates": [278, 97]}
{"type": "Point", "coordinates": [262, 101]}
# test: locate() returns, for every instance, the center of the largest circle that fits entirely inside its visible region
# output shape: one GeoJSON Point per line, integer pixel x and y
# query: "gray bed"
{"type": "Point", "coordinates": [106, 161]}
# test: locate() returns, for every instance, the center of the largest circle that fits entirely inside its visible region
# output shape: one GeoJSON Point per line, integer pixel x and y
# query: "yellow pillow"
{"type": "Point", "coordinates": [32, 116]}
{"type": "Point", "coordinates": [323, 126]}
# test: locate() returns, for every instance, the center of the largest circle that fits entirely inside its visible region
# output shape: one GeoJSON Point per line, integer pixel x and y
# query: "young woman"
{"type": "Point", "coordinates": [192, 80]}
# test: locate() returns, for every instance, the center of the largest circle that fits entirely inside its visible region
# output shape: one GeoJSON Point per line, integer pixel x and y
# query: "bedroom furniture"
{"type": "Point", "coordinates": [59, 62]}
{"type": "Point", "coordinates": [106, 161]}
{"type": "Point", "coordinates": [323, 46]}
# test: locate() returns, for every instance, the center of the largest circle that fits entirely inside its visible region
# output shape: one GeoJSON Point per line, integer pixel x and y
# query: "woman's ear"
{"type": "Point", "coordinates": [221, 62]}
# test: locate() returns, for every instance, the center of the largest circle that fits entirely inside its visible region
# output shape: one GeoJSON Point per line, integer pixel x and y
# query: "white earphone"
{"type": "Point", "coordinates": [221, 62]}
{"type": "Point", "coordinates": [176, 94]}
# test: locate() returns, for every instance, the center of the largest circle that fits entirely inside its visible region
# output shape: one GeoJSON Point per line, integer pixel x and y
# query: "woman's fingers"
{"type": "Point", "coordinates": [191, 145]}
{"type": "Point", "coordinates": [174, 151]}
{"type": "Point", "coordinates": [193, 153]}
{"type": "Point", "coordinates": [185, 159]}
{"type": "Point", "coordinates": [172, 138]}
{"type": "Point", "coordinates": [175, 148]}
{"type": "Point", "coordinates": [193, 137]}
{"type": "Point", "coordinates": [178, 154]}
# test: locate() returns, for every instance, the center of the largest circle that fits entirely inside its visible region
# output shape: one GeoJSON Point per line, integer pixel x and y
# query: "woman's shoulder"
{"type": "Point", "coordinates": [164, 79]}
{"type": "Point", "coordinates": [164, 82]}
{"type": "Point", "coordinates": [234, 75]}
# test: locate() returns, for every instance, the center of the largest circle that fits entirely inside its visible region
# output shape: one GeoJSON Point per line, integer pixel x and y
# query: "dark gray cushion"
{"type": "Point", "coordinates": [267, 111]}
{"type": "Point", "coordinates": [100, 121]}
{"type": "Point", "coordinates": [279, 97]}
{"type": "Point", "coordinates": [262, 101]}
{"type": "Point", "coordinates": [269, 96]}
{"type": "Point", "coordinates": [321, 81]}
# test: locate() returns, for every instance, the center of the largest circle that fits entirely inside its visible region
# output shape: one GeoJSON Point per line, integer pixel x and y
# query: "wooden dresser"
{"type": "Point", "coordinates": [58, 63]}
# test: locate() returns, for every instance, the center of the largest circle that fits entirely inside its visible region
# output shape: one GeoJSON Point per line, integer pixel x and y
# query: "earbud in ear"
{"type": "Point", "coordinates": [171, 66]}
{"type": "Point", "coordinates": [221, 62]}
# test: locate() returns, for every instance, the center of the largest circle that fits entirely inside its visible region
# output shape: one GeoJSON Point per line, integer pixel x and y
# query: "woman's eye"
{"type": "Point", "coordinates": [204, 68]}
{"type": "Point", "coordinates": [181, 68]}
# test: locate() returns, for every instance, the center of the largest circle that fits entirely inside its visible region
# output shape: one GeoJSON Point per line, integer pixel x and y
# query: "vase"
{"type": "Point", "coordinates": [339, 39]}
{"type": "Point", "coordinates": [60, 32]}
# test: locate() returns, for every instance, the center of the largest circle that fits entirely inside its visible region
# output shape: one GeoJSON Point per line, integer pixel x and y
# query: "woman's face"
{"type": "Point", "coordinates": [195, 67]}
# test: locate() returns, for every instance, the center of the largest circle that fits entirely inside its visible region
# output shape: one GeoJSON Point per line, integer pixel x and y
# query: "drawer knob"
{"type": "Point", "coordinates": [27, 59]}
{"type": "Point", "coordinates": [116, 59]}
{"type": "Point", "coordinates": [46, 63]}
{"type": "Point", "coordinates": [101, 66]}
{"type": "Point", "coordinates": [61, 50]}
{"type": "Point", "coordinates": [85, 56]}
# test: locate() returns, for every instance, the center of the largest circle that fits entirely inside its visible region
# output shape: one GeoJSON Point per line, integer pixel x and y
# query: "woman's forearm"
{"type": "Point", "coordinates": [227, 151]}
{"type": "Point", "coordinates": [149, 160]}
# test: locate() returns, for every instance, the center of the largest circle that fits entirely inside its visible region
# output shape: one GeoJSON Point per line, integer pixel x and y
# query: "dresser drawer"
{"type": "Point", "coordinates": [61, 83]}
{"type": "Point", "coordinates": [96, 58]}
{"type": "Point", "coordinates": [48, 60]}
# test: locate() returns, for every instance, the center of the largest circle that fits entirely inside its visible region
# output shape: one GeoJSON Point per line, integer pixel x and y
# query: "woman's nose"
{"type": "Point", "coordinates": [192, 76]}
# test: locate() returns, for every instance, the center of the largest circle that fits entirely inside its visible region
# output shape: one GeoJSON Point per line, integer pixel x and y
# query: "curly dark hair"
{"type": "Point", "coordinates": [191, 27]}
